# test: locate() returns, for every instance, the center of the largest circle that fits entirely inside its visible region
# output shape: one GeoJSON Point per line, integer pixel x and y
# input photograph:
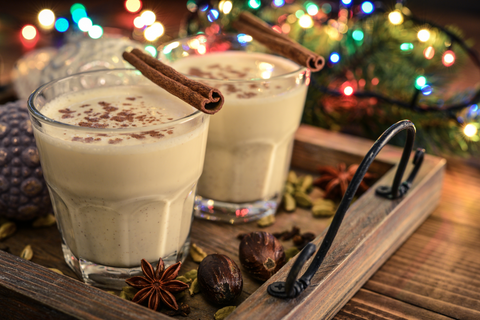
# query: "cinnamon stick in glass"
{"type": "Point", "coordinates": [279, 43]}
{"type": "Point", "coordinates": [200, 96]}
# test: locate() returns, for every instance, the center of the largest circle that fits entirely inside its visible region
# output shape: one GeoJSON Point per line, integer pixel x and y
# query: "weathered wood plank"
{"type": "Point", "coordinates": [29, 289]}
{"type": "Point", "coordinates": [436, 269]}
{"type": "Point", "coordinates": [370, 305]}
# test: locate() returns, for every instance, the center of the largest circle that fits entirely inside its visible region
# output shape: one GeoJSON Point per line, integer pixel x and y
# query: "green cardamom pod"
{"type": "Point", "coordinates": [27, 253]}
{"type": "Point", "coordinates": [299, 183]}
{"type": "Point", "coordinates": [289, 204]}
{"type": "Point", "coordinates": [289, 188]}
{"type": "Point", "coordinates": [192, 274]}
{"type": "Point", "coordinates": [194, 287]}
{"type": "Point", "coordinates": [184, 279]}
{"type": "Point", "coordinates": [197, 253]}
{"type": "Point", "coordinates": [128, 293]}
{"type": "Point", "coordinates": [302, 199]}
{"type": "Point", "coordinates": [47, 221]}
{"type": "Point", "coordinates": [223, 313]}
{"type": "Point", "coordinates": [307, 184]}
{"type": "Point", "coordinates": [292, 177]}
{"type": "Point", "coordinates": [266, 221]}
{"type": "Point", "coordinates": [7, 229]}
{"type": "Point", "coordinates": [323, 208]}
{"type": "Point", "coordinates": [290, 253]}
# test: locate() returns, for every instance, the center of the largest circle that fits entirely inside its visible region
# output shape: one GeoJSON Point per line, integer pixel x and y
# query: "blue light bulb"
{"type": "Point", "coordinates": [334, 57]}
{"type": "Point", "coordinates": [367, 7]}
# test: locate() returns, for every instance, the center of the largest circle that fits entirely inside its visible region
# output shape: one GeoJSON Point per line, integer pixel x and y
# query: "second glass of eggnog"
{"type": "Point", "coordinates": [121, 158]}
{"type": "Point", "coordinates": [250, 142]}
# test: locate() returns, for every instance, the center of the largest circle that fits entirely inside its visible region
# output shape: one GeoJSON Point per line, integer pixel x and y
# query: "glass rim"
{"type": "Point", "coordinates": [225, 35]}
{"type": "Point", "coordinates": [33, 111]}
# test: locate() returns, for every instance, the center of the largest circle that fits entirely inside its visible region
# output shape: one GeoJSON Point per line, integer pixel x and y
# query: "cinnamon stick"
{"type": "Point", "coordinates": [200, 96]}
{"type": "Point", "coordinates": [279, 43]}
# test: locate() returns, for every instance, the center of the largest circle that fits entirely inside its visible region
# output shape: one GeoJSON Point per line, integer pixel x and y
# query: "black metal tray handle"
{"type": "Point", "coordinates": [292, 287]}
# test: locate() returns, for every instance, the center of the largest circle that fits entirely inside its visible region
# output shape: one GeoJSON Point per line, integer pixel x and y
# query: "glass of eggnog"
{"type": "Point", "coordinates": [250, 142]}
{"type": "Point", "coordinates": [121, 158]}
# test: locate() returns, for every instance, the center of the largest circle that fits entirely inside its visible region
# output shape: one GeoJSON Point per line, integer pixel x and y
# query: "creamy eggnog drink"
{"type": "Point", "coordinates": [250, 141]}
{"type": "Point", "coordinates": [121, 163]}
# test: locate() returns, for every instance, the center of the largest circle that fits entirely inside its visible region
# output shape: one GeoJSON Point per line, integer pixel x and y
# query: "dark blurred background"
{"type": "Point", "coordinates": [14, 14]}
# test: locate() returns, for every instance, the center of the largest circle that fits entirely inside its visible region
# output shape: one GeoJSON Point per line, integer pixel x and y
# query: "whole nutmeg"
{"type": "Point", "coordinates": [261, 254]}
{"type": "Point", "coordinates": [220, 279]}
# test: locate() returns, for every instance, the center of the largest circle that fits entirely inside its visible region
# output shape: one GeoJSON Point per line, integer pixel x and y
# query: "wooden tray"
{"type": "Point", "coordinates": [372, 230]}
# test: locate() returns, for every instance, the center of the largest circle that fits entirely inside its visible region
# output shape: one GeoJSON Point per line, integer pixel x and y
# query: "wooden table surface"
{"type": "Point", "coordinates": [436, 273]}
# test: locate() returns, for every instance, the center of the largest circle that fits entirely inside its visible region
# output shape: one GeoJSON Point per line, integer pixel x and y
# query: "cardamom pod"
{"type": "Point", "coordinates": [289, 204]}
{"type": "Point", "coordinates": [128, 293]}
{"type": "Point", "coordinates": [184, 279]}
{"type": "Point", "coordinates": [223, 313]}
{"type": "Point", "coordinates": [7, 229]}
{"type": "Point", "coordinates": [55, 270]}
{"type": "Point", "coordinates": [289, 188]}
{"type": "Point", "coordinates": [292, 177]}
{"type": "Point", "coordinates": [307, 184]}
{"type": "Point", "coordinates": [290, 253]}
{"type": "Point", "coordinates": [323, 208]}
{"type": "Point", "coordinates": [197, 253]}
{"type": "Point", "coordinates": [266, 221]}
{"type": "Point", "coordinates": [302, 199]}
{"type": "Point", "coordinates": [194, 287]}
{"type": "Point", "coordinates": [299, 183]}
{"type": "Point", "coordinates": [27, 253]}
{"type": "Point", "coordinates": [192, 274]}
{"type": "Point", "coordinates": [46, 221]}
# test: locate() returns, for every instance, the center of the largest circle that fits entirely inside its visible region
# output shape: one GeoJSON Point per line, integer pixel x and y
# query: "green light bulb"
{"type": "Point", "coordinates": [254, 4]}
{"type": "Point", "coordinates": [357, 35]}
{"type": "Point", "coordinates": [406, 46]}
{"type": "Point", "coordinates": [420, 82]}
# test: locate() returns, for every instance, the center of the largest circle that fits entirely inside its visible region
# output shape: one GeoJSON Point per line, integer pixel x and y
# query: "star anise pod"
{"type": "Point", "coordinates": [335, 180]}
{"type": "Point", "coordinates": [157, 285]}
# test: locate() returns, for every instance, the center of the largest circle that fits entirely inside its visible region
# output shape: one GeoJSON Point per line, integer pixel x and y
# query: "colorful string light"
{"type": "Point", "coordinates": [29, 32]}
{"type": "Point", "coordinates": [395, 17]}
{"type": "Point", "coordinates": [62, 25]}
{"type": "Point", "coordinates": [148, 17]}
{"type": "Point", "coordinates": [367, 7]}
{"type": "Point", "coordinates": [305, 21]}
{"type": "Point", "coordinates": [470, 130]}
{"type": "Point", "coordinates": [423, 35]}
{"type": "Point", "coordinates": [95, 32]}
{"type": "Point", "coordinates": [429, 52]}
{"type": "Point", "coordinates": [133, 5]}
{"type": "Point", "coordinates": [85, 24]}
{"type": "Point", "coordinates": [334, 57]}
{"type": "Point", "coordinates": [448, 58]}
{"type": "Point", "coordinates": [46, 18]}
{"type": "Point", "coordinates": [254, 4]}
{"type": "Point", "coordinates": [420, 82]}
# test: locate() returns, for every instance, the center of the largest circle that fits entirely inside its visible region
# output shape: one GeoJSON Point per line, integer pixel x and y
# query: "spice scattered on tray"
{"type": "Point", "coordinates": [261, 255]}
{"type": "Point", "coordinates": [224, 312]}
{"type": "Point", "coordinates": [197, 253]}
{"type": "Point", "coordinates": [158, 285]}
{"type": "Point", "coordinates": [335, 180]}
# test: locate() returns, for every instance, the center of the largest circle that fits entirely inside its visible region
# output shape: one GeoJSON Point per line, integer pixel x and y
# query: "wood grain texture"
{"type": "Point", "coordinates": [30, 291]}
{"type": "Point", "coordinates": [371, 231]}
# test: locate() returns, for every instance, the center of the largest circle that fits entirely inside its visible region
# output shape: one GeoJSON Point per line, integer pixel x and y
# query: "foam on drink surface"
{"type": "Point", "coordinates": [118, 108]}
{"type": "Point", "coordinates": [250, 139]}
